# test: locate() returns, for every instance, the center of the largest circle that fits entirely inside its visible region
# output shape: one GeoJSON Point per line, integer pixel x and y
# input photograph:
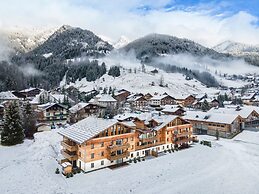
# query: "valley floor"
{"type": "Point", "coordinates": [229, 166]}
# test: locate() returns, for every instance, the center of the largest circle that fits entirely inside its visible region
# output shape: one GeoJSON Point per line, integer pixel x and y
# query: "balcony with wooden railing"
{"type": "Point", "coordinates": [115, 147]}
{"type": "Point", "coordinates": [68, 145]}
{"type": "Point", "coordinates": [69, 155]}
{"type": "Point", "coordinates": [114, 156]}
{"type": "Point", "coordinates": [149, 145]}
{"type": "Point", "coordinates": [185, 133]}
{"type": "Point", "coordinates": [183, 140]}
{"type": "Point", "coordinates": [148, 139]}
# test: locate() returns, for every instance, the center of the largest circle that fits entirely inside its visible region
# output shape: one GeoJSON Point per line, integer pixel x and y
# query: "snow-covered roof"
{"type": "Point", "coordinates": [243, 111]}
{"type": "Point", "coordinates": [8, 96]}
{"type": "Point", "coordinates": [66, 164]}
{"type": "Point", "coordinates": [28, 90]}
{"type": "Point", "coordinates": [78, 107]}
{"type": "Point", "coordinates": [87, 128]}
{"type": "Point", "coordinates": [171, 108]}
{"type": "Point", "coordinates": [106, 98]}
{"type": "Point", "coordinates": [210, 117]}
{"type": "Point", "coordinates": [48, 105]}
{"type": "Point", "coordinates": [158, 97]}
{"type": "Point", "coordinates": [248, 96]}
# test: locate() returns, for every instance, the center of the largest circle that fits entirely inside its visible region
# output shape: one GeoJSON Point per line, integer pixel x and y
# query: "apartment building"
{"type": "Point", "coordinates": [95, 143]}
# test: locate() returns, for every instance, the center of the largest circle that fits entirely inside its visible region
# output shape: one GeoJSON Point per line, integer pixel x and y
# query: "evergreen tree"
{"type": "Point", "coordinates": [12, 131]}
{"type": "Point", "coordinates": [29, 121]}
{"type": "Point", "coordinates": [205, 106]}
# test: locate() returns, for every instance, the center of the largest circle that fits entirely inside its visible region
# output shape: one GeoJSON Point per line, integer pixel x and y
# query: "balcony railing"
{"type": "Point", "coordinates": [69, 155]}
{"type": "Point", "coordinates": [69, 146]}
{"type": "Point", "coordinates": [113, 148]}
{"type": "Point", "coordinates": [118, 156]}
{"type": "Point", "coordinates": [149, 139]}
{"type": "Point", "coordinates": [144, 146]}
{"type": "Point", "coordinates": [185, 133]}
{"type": "Point", "coordinates": [181, 141]}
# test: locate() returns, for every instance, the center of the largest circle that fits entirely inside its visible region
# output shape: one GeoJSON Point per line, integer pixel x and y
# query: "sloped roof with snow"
{"type": "Point", "coordinates": [8, 96]}
{"type": "Point", "coordinates": [78, 107]}
{"type": "Point", "coordinates": [87, 128]}
{"type": "Point", "coordinates": [243, 111]}
{"type": "Point", "coordinates": [210, 117]}
{"type": "Point", "coordinates": [106, 98]}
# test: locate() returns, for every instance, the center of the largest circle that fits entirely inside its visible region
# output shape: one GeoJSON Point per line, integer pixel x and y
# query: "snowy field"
{"type": "Point", "coordinates": [230, 166]}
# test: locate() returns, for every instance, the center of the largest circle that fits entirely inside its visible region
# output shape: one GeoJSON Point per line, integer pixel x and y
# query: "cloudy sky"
{"type": "Point", "coordinates": [207, 22]}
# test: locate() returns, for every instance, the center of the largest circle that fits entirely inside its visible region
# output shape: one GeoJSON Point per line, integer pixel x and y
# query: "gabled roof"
{"type": "Point", "coordinates": [210, 117]}
{"type": "Point", "coordinates": [243, 111]}
{"type": "Point", "coordinates": [78, 107]}
{"type": "Point", "coordinates": [8, 96]}
{"type": "Point", "coordinates": [29, 89]}
{"type": "Point", "coordinates": [87, 129]}
{"type": "Point", "coordinates": [49, 105]}
{"type": "Point", "coordinates": [106, 98]}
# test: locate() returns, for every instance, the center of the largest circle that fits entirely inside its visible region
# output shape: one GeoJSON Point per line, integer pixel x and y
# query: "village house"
{"type": "Point", "coordinates": [161, 100]}
{"type": "Point", "coordinates": [211, 103]}
{"type": "Point", "coordinates": [52, 113]}
{"type": "Point", "coordinates": [8, 97]}
{"type": "Point", "coordinates": [173, 110]}
{"type": "Point", "coordinates": [249, 114]}
{"type": "Point", "coordinates": [104, 100]}
{"type": "Point", "coordinates": [186, 100]}
{"type": "Point", "coordinates": [210, 123]}
{"type": "Point", "coordinates": [248, 98]}
{"type": "Point", "coordinates": [30, 92]}
{"type": "Point", "coordinates": [137, 102]}
{"type": "Point", "coordinates": [121, 96]}
{"type": "Point", "coordinates": [83, 110]}
{"type": "Point", "coordinates": [94, 143]}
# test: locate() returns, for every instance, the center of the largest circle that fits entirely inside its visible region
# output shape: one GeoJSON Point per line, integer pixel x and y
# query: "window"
{"type": "Point", "coordinates": [102, 162]}
{"type": "Point", "coordinates": [131, 155]}
{"type": "Point", "coordinates": [132, 138]}
{"type": "Point", "coordinates": [102, 144]}
{"type": "Point", "coordinates": [92, 165]}
{"type": "Point", "coordinates": [143, 152]}
{"type": "Point", "coordinates": [79, 153]}
{"type": "Point", "coordinates": [167, 146]}
{"type": "Point", "coordinates": [92, 155]}
{"type": "Point", "coordinates": [92, 146]}
{"type": "Point", "coordinates": [137, 153]}
{"type": "Point", "coordinates": [102, 153]}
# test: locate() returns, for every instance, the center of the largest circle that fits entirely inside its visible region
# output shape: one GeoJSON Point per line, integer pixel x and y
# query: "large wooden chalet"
{"type": "Point", "coordinates": [95, 143]}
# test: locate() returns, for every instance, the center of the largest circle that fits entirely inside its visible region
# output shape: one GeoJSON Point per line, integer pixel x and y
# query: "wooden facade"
{"type": "Point", "coordinates": [121, 142]}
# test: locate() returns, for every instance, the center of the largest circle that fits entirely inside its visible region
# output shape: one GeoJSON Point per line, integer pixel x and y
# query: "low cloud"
{"type": "Point", "coordinates": [30, 70]}
{"type": "Point", "coordinates": [113, 19]}
{"type": "Point", "coordinates": [235, 66]}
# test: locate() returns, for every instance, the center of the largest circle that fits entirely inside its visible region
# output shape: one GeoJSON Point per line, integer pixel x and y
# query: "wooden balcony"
{"type": "Point", "coordinates": [69, 146]}
{"type": "Point", "coordinates": [149, 139]}
{"type": "Point", "coordinates": [69, 155]}
{"type": "Point", "coordinates": [119, 156]}
{"type": "Point", "coordinates": [150, 145]}
{"type": "Point", "coordinates": [181, 141]}
{"type": "Point", "coordinates": [185, 133]}
{"type": "Point", "coordinates": [114, 148]}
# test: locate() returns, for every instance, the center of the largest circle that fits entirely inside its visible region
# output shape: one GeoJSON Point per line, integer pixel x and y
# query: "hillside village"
{"type": "Point", "coordinates": [111, 127]}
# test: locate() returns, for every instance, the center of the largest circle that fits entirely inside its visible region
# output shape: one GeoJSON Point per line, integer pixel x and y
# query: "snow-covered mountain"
{"type": "Point", "coordinates": [155, 45]}
{"type": "Point", "coordinates": [123, 41]}
{"type": "Point", "coordinates": [236, 48]}
{"type": "Point", "coordinates": [24, 40]}
{"type": "Point", "coordinates": [69, 42]}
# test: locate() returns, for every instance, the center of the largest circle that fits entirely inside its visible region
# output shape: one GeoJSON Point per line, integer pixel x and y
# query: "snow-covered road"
{"type": "Point", "coordinates": [230, 166]}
